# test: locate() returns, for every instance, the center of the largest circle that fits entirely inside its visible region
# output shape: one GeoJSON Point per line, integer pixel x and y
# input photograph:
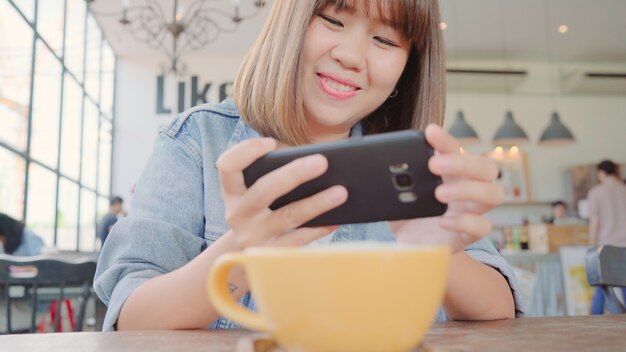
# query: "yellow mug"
{"type": "Point", "coordinates": [342, 297]}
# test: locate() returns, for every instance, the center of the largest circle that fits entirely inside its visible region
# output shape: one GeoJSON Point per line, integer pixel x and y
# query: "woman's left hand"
{"type": "Point", "coordinates": [467, 188]}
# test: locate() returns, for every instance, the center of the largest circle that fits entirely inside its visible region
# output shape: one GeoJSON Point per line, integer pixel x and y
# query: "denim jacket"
{"type": "Point", "coordinates": [177, 211]}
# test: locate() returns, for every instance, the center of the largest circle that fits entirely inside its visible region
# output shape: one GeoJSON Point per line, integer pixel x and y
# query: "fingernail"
{"type": "Point", "coordinates": [446, 221]}
{"type": "Point", "coordinates": [314, 162]}
{"type": "Point", "coordinates": [438, 163]}
{"type": "Point", "coordinates": [444, 191]}
{"type": "Point", "coordinates": [336, 195]}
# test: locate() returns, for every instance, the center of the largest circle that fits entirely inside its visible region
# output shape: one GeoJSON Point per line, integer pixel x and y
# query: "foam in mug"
{"type": "Point", "coordinates": [343, 297]}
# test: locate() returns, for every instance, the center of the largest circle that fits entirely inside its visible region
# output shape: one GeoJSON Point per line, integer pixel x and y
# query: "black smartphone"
{"type": "Point", "coordinates": [386, 175]}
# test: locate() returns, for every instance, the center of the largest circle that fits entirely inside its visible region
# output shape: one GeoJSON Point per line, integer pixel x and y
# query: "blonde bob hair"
{"type": "Point", "coordinates": [267, 88]}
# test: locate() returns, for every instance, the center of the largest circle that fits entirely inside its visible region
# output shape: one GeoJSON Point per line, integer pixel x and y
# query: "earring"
{"type": "Point", "coordinates": [394, 93]}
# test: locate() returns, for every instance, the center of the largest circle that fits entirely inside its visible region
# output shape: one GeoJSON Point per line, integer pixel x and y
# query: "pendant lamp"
{"type": "Point", "coordinates": [510, 133]}
{"type": "Point", "coordinates": [461, 130]}
{"type": "Point", "coordinates": [556, 133]}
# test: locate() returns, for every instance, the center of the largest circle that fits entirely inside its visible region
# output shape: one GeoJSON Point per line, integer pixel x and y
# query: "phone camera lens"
{"type": "Point", "coordinates": [403, 180]}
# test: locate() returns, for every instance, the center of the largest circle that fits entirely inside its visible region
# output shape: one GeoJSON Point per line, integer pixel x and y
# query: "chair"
{"type": "Point", "coordinates": [605, 269]}
{"type": "Point", "coordinates": [61, 278]}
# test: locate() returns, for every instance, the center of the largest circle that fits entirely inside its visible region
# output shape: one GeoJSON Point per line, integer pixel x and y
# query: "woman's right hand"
{"type": "Point", "coordinates": [247, 210]}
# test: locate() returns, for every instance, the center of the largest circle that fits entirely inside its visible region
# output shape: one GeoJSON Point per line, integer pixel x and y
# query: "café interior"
{"type": "Point", "coordinates": [536, 86]}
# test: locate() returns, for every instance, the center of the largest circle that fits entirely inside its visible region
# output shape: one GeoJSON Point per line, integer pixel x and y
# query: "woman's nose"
{"type": "Point", "coordinates": [350, 52]}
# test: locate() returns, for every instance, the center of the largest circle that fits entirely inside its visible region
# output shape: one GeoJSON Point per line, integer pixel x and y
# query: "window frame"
{"type": "Point", "coordinates": [66, 73]}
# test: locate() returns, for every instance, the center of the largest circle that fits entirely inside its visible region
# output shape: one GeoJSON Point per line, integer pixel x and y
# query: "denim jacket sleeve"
{"type": "Point", "coordinates": [484, 252]}
{"type": "Point", "coordinates": [166, 228]}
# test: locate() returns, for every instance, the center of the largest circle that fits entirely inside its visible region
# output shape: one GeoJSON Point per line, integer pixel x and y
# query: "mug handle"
{"type": "Point", "coordinates": [223, 301]}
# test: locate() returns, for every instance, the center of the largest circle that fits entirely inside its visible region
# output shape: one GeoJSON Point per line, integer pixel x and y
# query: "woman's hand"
{"type": "Point", "coordinates": [467, 188]}
{"type": "Point", "coordinates": [248, 214]}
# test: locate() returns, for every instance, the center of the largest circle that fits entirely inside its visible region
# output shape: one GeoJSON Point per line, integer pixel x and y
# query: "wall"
{"type": "Point", "coordinates": [598, 122]}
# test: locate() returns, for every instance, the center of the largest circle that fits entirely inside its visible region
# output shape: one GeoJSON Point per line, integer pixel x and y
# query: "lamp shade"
{"type": "Point", "coordinates": [556, 133]}
{"type": "Point", "coordinates": [510, 133]}
{"type": "Point", "coordinates": [462, 130]}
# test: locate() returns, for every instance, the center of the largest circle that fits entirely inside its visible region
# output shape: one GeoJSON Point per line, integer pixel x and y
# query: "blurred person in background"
{"type": "Point", "coordinates": [16, 239]}
{"type": "Point", "coordinates": [560, 215]}
{"type": "Point", "coordinates": [116, 211]}
{"type": "Point", "coordinates": [559, 211]}
{"type": "Point", "coordinates": [607, 217]}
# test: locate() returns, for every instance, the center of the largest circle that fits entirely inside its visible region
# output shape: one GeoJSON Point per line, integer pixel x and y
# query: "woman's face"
{"type": "Point", "coordinates": [351, 63]}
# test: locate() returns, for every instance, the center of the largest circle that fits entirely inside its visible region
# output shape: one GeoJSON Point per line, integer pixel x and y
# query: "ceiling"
{"type": "Point", "coordinates": [477, 29]}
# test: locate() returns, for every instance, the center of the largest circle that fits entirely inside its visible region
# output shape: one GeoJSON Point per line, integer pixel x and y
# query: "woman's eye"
{"type": "Point", "coordinates": [385, 41]}
{"type": "Point", "coordinates": [331, 20]}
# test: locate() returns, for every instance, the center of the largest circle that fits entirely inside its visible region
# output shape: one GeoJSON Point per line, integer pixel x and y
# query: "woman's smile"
{"type": "Point", "coordinates": [337, 88]}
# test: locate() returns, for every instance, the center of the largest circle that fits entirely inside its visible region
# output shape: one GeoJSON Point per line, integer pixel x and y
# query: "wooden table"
{"type": "Point", "coordinates": [585, 333]}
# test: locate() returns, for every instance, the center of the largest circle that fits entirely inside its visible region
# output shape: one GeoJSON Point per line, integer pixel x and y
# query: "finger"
{"type": "Point", "coordinates": [304, 236]}
{"type": "Point", "coordinates": [471, 227]}
{"type": "Point", "coordinates": [280, 181]}
{"type": "Point", "coordinates": [234, 160]}
{"type": "Point", "coordinates": [489, 194]}
{"type": "Point", "coordinates": [468, 207]}
{"type": "Point", "coordinates": [297, 213]}
{"type": "Point", "coordinates": [441, 140]}
{"type": "Point", "coordinates": [471, 166]}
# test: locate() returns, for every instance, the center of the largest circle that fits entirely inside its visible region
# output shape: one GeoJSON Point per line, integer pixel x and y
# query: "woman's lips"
{"type": "Point", "coordinates": [335, 88]}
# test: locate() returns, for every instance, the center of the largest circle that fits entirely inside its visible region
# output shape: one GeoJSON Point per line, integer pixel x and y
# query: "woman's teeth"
{"type": "Point", "coordinates": [338, 86]}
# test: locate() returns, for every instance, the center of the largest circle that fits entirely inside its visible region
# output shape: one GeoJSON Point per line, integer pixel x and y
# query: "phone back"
{"type": "Point", "coordinates": [386, 176]}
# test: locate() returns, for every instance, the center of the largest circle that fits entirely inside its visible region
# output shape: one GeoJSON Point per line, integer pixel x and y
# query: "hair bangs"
{"type": "Point", "coordinates": [407, 16]}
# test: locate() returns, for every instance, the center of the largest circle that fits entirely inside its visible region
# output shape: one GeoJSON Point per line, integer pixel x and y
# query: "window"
{"type": "Point", "coordinates": [27, 8]}
{"type": "Point", "coordinates": [41, 206]}
{"type": "Point", "coordinates": [108, 80]}
{"type": "Point", "coordinates": [70, 128]}
{"type": "Point", "coordinates": [67, 215]}
{"type": "Point", "coordinates": [16, 42]}
{"type": "Point", "coordinates": [87, 220]}
{"type": "Point", "coordinates": [46, 104]}
{"type": "Point", "coordinates": [50, 23]}
{"type": "Point", "coordinates": [102, 209]}
{"type": "Point", "coordinates": [57, 76]}
{"type": "Point", "coordinates": [12, 175]}
{"type": "Point", "coordinates": [104, 156]}
{"type": "Point", "coordinates": [93, 56]}
{"type": "Point", "coordinates": [90, 145]}
{"type": "Point", "coordinates": [75, 38]}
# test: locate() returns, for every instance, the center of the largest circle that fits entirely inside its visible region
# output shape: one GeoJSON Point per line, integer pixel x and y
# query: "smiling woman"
{"type": "Point", "coordinates": [319, 71]}
{"type": "Point", "coordinates": [348, 55]}
{"type": "Point", "coordinates": [287, 55]}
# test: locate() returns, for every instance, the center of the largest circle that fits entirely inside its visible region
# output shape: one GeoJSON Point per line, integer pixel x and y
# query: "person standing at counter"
{"type": "Point", "coordinates": [607, 226]}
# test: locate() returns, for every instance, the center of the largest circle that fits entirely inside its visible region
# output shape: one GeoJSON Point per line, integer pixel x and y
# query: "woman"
{"type": "Point", "coordinates": [320, 70]}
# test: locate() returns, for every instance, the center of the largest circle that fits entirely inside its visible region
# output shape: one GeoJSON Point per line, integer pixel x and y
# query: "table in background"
{"type": "Point", "coordinates": [583, 333]}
